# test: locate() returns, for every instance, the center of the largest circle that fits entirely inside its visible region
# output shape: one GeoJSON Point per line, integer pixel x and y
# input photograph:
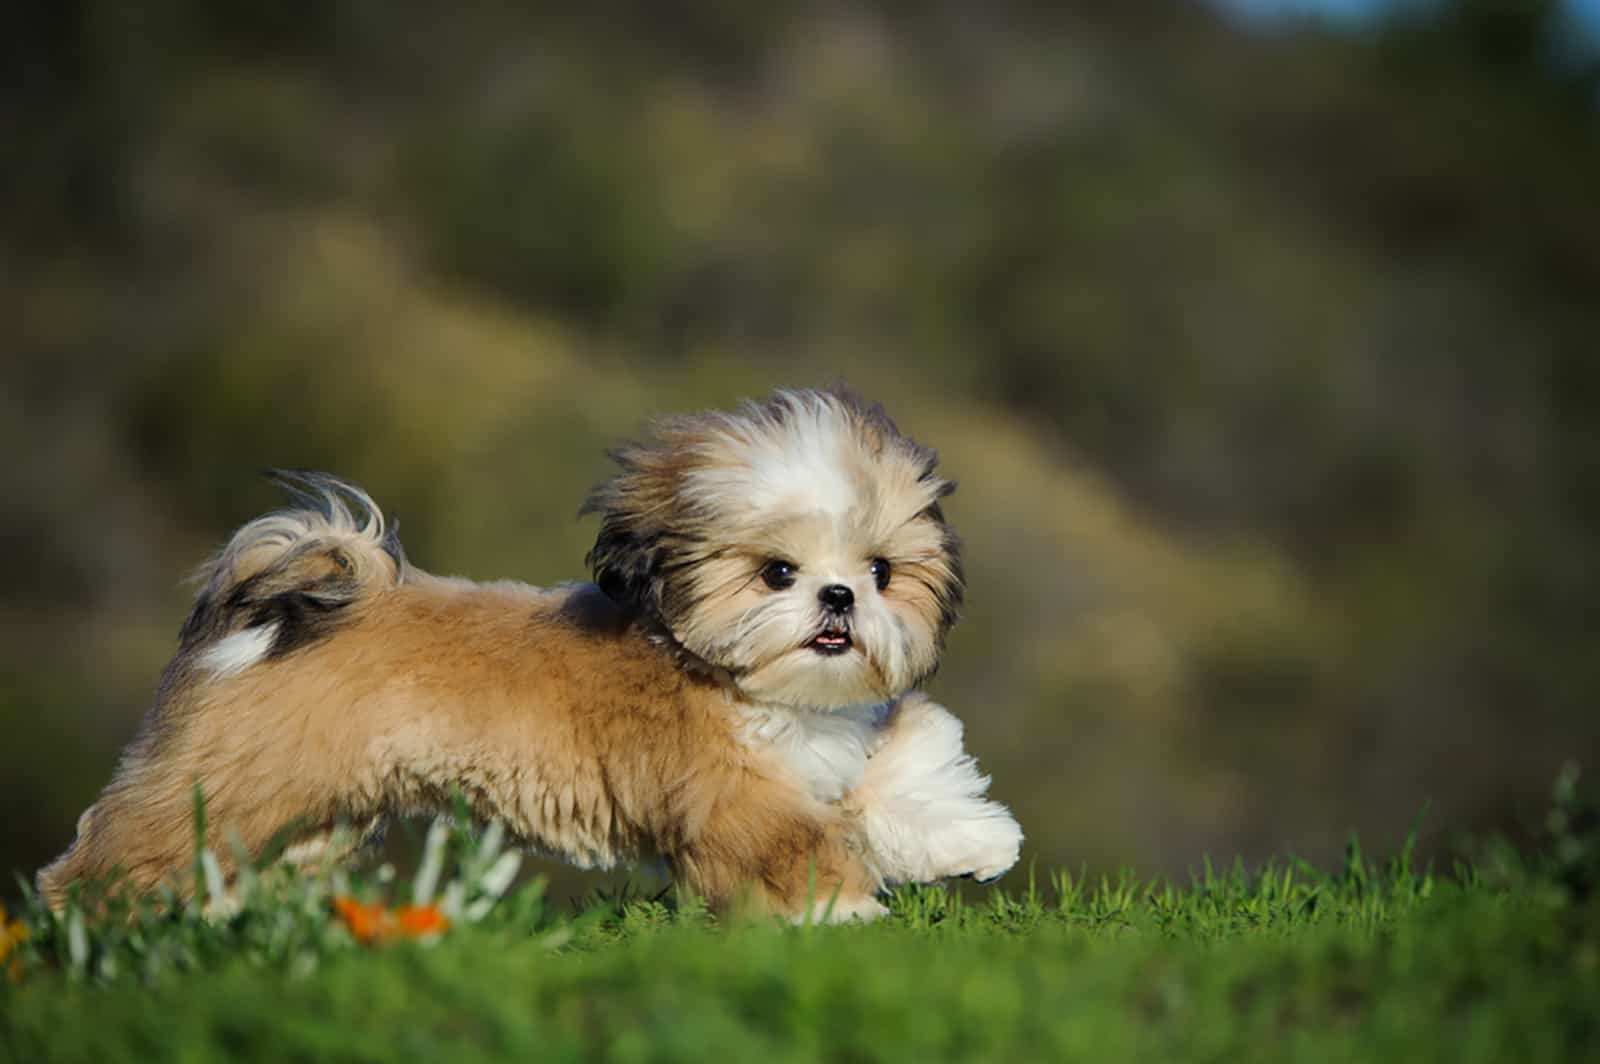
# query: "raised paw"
{"type": "Point", "coordinates": [999, 843]}
{"type": "Point", "coordinates": [922, 804]}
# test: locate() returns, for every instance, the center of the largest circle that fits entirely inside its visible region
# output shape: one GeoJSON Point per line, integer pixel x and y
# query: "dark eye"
{"type": "Point", "coordinates": [778, 574]}
{"type": "Point", "coordinates": [880, 572]}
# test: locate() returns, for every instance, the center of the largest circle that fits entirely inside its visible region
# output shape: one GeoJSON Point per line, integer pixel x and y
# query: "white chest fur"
{"type": "Point", "coordinates": [827, 750]}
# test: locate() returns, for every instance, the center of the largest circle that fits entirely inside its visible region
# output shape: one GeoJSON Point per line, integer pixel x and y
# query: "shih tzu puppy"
{"type": "Point", "coordinates": [734, 694]}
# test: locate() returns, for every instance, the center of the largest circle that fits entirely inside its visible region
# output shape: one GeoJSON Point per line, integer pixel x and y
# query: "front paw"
{"type": "Point", "coordinates": [998, 841]}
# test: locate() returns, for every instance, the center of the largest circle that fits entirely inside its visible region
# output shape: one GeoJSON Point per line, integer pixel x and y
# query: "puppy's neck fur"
{"type": "Point", "coordinates": [826, 749]}
{"type": "Point", "coordinates": [656, 630]}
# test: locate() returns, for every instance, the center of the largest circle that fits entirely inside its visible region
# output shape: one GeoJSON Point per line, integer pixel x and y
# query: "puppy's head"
{"type": "Point", "coordinates": [796, 543]}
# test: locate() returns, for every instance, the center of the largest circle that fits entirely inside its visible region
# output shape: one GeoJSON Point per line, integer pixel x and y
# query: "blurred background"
{"type": "Point", "coordinates": [1262, 338]}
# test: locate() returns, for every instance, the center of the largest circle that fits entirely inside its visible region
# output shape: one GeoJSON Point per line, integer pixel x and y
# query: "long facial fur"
{"type": "Point", "coordinates": [819, 479]}
{"type": "Point", "coordinates": [322, 679]}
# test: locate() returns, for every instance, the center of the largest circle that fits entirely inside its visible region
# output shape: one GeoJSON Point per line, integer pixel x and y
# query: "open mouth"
{"type": "Point", "coordinates": [831, 642]}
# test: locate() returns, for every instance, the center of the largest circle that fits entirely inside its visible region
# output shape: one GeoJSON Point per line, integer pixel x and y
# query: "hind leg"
{"type": "Point", "coordinates": [140, 833]}
{"type": "Point", "coordinates": [139, 838]}
{"type": "Point", "coordinates": [137, 835]}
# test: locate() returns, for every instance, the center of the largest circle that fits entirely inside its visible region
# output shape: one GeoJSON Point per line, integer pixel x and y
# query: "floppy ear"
{"type": "Point", "coordinates": [624, 564]}
{"type": "Point", "coordinates": [635, 508]}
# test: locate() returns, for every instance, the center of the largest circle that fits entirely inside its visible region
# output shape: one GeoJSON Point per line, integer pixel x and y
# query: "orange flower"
{"type": "Point", "coordinates": [364, 921]}
{"type": "Point", "coordinates": [421, 920]}
{"type": "Point", "coordinates": [375, 923]}
{"type": "Point", "coordinates": [11, 933]}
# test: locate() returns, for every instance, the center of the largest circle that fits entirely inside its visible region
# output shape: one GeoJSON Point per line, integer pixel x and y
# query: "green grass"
{"type": "Point", "coordinates": [1496, 960]}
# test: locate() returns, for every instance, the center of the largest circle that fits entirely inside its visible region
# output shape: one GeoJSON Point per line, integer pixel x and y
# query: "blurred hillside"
{"type": "Point", "coordinates": [1266, 361]}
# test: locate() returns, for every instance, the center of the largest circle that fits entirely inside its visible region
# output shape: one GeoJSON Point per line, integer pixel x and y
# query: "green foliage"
{"type": "Point", "coordinates": [572, 228]}
{"type": "Point", "coordinates": [1377, 960]}
{"type": "Point", "coordinates": [271, 916]}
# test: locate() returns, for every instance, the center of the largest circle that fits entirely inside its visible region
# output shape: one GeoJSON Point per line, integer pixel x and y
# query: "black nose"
{"type": "Point", "coordinates": [837, 597]}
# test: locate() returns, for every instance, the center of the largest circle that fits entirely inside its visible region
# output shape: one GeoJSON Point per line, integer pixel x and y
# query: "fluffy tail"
{"type": "Point", "coordinates": [283, 581]}
{"type": "Point", "coordinates": [286, 579]}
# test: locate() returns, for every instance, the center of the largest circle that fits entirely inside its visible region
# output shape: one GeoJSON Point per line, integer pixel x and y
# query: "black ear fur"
{"type": "Point", "coordinates": [626, 566]}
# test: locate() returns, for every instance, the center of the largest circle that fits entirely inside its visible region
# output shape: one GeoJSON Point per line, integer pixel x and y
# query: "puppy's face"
{"type": "Point", "coordinates": [797, 544]}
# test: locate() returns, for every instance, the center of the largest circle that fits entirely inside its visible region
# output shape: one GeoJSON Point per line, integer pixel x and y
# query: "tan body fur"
{"type": "Point", "coordinates": [547, 709]}
{"type": "Point", "coordinates": [323, 680]}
